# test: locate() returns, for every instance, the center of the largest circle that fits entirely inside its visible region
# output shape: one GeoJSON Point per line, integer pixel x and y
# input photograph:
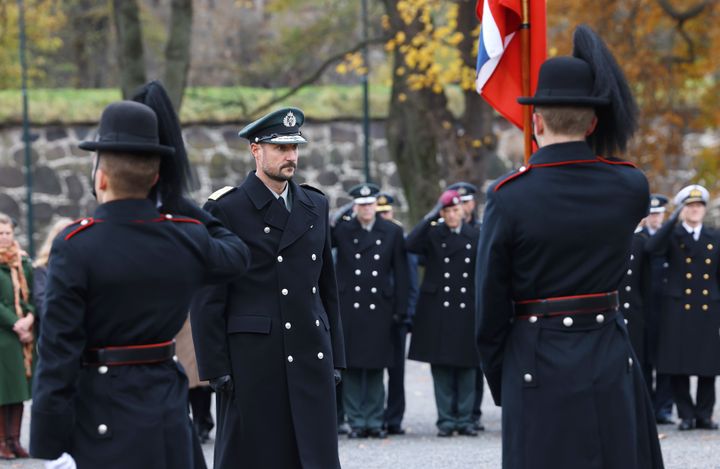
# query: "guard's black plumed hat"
{"type": "Point", "coordinates": [565, 81]}
{"type": "Point", "coordinates": [128, 127]}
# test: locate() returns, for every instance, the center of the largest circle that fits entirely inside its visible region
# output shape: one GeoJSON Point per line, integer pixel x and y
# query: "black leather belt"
{"type": "Point", "coordinates": [567, 305]}
{"type": "Point", "coordinates": [130, 354]}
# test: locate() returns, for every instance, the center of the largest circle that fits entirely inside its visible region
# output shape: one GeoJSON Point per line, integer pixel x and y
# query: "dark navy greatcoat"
{"type": "Point", "coordinates": [572, 396]}
{"type": "Point", "coordinates": [634, 294]}
{"type": "Point", "coordinates": [444, 324]}
{"type": "Point", "coordinates": [374, 282]}
{"type": "Point", "coordinates": [688, 342]}
{"type": "Point", "coordinates": [276, 331]}
{"type": "Point", "coordinates": [124, 277]}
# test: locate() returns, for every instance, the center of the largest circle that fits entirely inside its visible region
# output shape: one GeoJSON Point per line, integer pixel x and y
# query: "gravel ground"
{"type": "Point", "coordinates": [421, 449]}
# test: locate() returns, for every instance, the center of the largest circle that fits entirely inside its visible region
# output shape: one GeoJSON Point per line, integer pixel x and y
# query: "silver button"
{"type": "Point", "coordinates": [314, 290]}
{"type": "Point", "coordinates": [443, 245]}
{"type": "Point", "coordinates": [630, 361]}
{"type": "Point", "coordinates": [463, 289]}
{"type": "Point", "coordinates": [288, 326]}
{"type": "Point", "coordinates": [320, 356]}
{"type": "Point", "coordinates": [522, 169]}
{"type": "Point", "coordinates": [313, 257]}
{"type": "Point", "coordinates": [628, 288]}
{"type": "Point", "coordinates": [568, 321]}
{"type": "Point", "coordinates": [168, 216]}
{"type": "Point", "coordinates": [376, 257]}
{"type": "Point", "coordinates": [626, 321]}
{"type": "Point", "coordinates": [446, 304]}
{"type": "Point", "coordinates": [357, 255]}
{"type": "Point", "coordinates": [290, 358]}
{"type": "Point", "coordinates": [84, 222]}
{"type": "Point", "coordinates": [632, 257]}
{"type": "Point", "coordinates": [527, 377]}
{"type": "Point", "coordinates": [356, 305]}
{"type": "Point", "coordinates": [626, 305]}
{"type": "Point", "coordinates": [284, 291]}
{"type": "Point", "coordinates": [447, 275]}
{"type": "Point", "coordinates": [378, 242]}
{"type": "Point", "coordinates": [468, 246]}
{"type": "Point", "coordinates": [374, 273]}
{"type": "Point", "coordinates": [447, 260]}
{"type": "Point", "coordinates": [175, 358]}
{"type": "Point", "coordinates": [465, 275]}
{"type": "Point", "coordinates": [666, 265]}
{"type": "Point", "coordinates": [600, 318]}
{"type": "Point", "coordinates": [266, 229]}
{"type": "Point", "coordinates": [373, 290]}
{"type": "Point", "coordinates": [462, 305]}
{"type": "Point", "coordinates": [357, 272]}
{"type": "Point", "coordinates": [372, 306]}
{"type": "Point", "coordinates": [103, 369]}
{"type": "Point", "coordinates": [629, 272]}
{"type": "Point", "coordinates": [102, 429]}
{"type": "Point", "coordinates": [532, 319]}
{"type": "Point", "coordinates": [355, 241]}
{"type": "Point", "coordinates": [317, 323]}
{"type": "Point", "coordinates": [447, 289]}
{"type": "Point", "coordinates": [467, 260]}
{"type": "Point", "coordinates": [280, 258]}
{"type": "Point", "coordinates": [357, 288]}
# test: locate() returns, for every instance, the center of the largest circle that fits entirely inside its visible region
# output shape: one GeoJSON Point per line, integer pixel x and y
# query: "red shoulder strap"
{"type": "Point", "coordinates": [622, 163]}
{"type": "Point", "coordinates": [85, 223]}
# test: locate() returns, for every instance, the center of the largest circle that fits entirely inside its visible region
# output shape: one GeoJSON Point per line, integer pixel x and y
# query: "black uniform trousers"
{"type": "Point", "coordinates": [704, 398]}
{"type": "Point", "coordinates": [453, 385]}
{"type": "Point", "coordinates": [395, 409]}
{"type": "Point", "coordinates": [660, 389]}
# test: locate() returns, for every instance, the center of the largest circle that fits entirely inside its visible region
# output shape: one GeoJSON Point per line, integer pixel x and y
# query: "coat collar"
{"type": "Point", "coordinates": [127, 209]}
{"type": "Point", "coordinates": [562, 153]}
{"type": "Point", "coordinates": [260, 195]}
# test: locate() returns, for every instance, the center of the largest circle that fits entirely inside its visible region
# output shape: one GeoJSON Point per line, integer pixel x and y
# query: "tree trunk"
{"type": "Point", "coordinates": [433, 148]}
{"type": "Point", "coordinates": [131, 59]}
{"type": "Point", "coordinates": [177, 51]}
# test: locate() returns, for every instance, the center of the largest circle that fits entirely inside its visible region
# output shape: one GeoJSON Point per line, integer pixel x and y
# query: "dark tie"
{"type": "Point", "coordinates": [282, 202]}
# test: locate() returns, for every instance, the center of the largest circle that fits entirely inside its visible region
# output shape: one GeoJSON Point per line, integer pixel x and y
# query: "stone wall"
{"type": "Point", "coordinates": [333, 162]}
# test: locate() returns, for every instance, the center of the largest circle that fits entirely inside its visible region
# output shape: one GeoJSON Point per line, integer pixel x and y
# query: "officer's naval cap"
{"type": "Point", "coordinates": [657, 203]}
{"type": "Point", "coordinates": [449, 198]}
{"type": "Point", "coordinates": [692, 193]}
{"type": "Point", "coordinates": [364, 193]}
{"type": "Point", "coordinates": [385, 202]}
{"type": "Point", "coordinates": [466, 190]}
{"type": "Point", "coordinates": [281, 127]}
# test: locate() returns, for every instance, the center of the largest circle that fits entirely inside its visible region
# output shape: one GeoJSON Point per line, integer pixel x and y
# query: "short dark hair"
{"type": "Point", "coordinates": [130, 175]}
{"type": "Point", "coordinates": [566, 120]}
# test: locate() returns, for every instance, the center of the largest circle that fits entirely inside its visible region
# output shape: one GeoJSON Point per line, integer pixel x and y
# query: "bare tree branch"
{"type": "Point", "coordinates": [681, 17]}
{"type": "Point", "coordinates": [313, 77]}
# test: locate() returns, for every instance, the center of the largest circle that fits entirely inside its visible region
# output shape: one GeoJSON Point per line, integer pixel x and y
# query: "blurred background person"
{"type": "Point", "coordinates": [16, 339]}
{"type": "Point", "coordinates": [40, 270]}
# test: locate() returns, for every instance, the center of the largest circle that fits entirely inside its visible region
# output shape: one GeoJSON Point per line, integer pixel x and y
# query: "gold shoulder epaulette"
{"type": "Point", "coordinates": [221, 192]}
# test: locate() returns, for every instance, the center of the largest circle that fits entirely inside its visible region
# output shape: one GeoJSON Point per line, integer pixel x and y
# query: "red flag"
{"type": "Point", "coordinates": [499, 66]}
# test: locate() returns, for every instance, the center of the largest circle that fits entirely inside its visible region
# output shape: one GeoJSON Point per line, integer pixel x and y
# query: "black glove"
{"type": "Point", "coordinates": [408, 324]}
{"type": "Point", "coordinates": [223, 383]}
{"type": "Point", "coordinates": [399, 319]}
{"type": "Point", "coordinates": [338, 376]}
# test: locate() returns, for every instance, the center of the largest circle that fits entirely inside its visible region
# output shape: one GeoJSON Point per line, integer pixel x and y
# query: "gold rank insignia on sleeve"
{"type": "Point", "coordinates": [220, 192]}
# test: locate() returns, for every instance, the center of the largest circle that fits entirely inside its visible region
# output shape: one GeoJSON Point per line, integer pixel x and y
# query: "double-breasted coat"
{"type": "Point", "coordinates": [688, 342]}
{"type": "Point", "coordinates": [571, 391]}
{"type": "Point", "coordinates": [444, 324]}
{"type": "Point", "coordinates": [276, 331]}
{"type": "Point", "coordinates": [634, 294]}
{"type": "Point", "coordinates": [373, 282]}
{"type": "Point", "coordinates": [124, 277]}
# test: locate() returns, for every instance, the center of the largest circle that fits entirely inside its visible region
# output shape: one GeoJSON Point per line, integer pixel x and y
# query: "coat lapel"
{"type": "Point", "coordinates": [275, 214]}
{"type": "Point", "coordinates": [303, 217]}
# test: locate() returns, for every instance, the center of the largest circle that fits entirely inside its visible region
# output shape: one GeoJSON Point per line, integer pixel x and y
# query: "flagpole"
{"type": "Point", "coordinates": [525, 58]}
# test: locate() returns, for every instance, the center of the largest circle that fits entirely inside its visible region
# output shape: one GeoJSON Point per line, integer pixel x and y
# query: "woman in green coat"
{"type": "Point", "coordinates": [16, 339]}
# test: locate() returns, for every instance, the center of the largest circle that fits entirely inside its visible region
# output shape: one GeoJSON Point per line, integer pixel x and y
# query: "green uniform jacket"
{"type": "Point", "coordinates": [14, 387]}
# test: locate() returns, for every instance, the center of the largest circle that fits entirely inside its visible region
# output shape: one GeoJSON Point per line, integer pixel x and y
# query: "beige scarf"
{"type": "Point", "coordinates": [12, 257]}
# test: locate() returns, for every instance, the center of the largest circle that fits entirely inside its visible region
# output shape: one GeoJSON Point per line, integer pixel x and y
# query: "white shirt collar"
{"type": "Point", "coordinates": [695, 231]}
{"type": "Point", "coordinates": [369, 226]}
{"type": "Point", "coordinates": [283, 194]}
